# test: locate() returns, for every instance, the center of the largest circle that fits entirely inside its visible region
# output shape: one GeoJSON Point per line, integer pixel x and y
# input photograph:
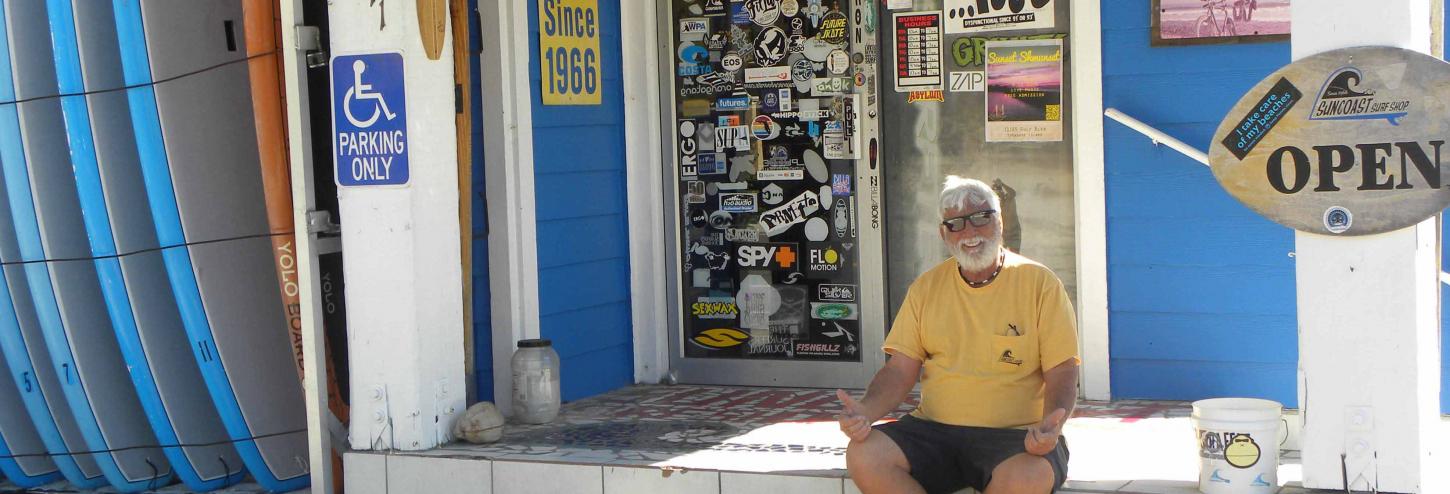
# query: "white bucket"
{"type": "Point", "coordinates": [1238, 445]}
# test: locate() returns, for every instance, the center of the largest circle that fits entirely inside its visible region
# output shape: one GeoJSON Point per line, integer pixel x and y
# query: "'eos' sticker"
{"type": "Point", "coordinates": [732, 62]}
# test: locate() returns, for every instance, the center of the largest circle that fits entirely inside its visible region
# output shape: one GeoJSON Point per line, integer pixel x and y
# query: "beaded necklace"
{"type": "Point", "coordinates": [978, 284]}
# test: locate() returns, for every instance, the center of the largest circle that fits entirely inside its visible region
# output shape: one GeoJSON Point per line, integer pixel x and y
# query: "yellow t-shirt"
{"type": "Point", "coordinates": [983, 350]}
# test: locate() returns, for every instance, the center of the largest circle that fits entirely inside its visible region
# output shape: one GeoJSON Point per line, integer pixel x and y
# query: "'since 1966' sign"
{"type": "Point", "coordinates": [1345, 142]}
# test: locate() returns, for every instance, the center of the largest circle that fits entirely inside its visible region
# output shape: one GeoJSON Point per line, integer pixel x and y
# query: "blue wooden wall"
{"type": "Point", "coordinates": [1200, 288]}
{"type": "Point", "coordinates": [583, 240]}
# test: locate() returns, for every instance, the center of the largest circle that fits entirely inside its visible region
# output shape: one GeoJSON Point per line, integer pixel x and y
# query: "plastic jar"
{"type": "Point", "coordinates": [536, 382]}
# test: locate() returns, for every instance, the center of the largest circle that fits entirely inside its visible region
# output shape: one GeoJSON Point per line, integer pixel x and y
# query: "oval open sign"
{"type": "Point", "coordinates": [1345, 142]}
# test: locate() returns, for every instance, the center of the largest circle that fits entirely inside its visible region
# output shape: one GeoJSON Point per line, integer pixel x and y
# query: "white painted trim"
{"type": "Point", "coordinates": [1091, 208]}
{"type": "Point", "coordinates": [508, 136]}
{"type": "Point", "coordinates": [320, 438]}
{"type": "Point", "coordinates": [644, 186]}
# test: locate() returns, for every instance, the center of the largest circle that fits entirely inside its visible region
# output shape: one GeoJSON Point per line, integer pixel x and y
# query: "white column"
{"type": "Point", "coordinates": [400, 251]}
{"type": "Point", "coordinates": [645, 184]}
{"type": "Point", "coordinates": [508, 147]}
{"type": "Point", "coordinates": [1369, 307]}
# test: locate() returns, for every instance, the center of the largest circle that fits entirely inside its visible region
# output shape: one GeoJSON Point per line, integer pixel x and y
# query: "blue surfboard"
{"type": "Point", "coordinates": [23, 458]}
{"type": "Point", "coordinates": [191, 111]}
{"type": "Point", "coordinates": [64, 286]}
{"type": "Point", "coordinates": [123, 240]}
{"type": "Point", "coordinates": [21, 338]}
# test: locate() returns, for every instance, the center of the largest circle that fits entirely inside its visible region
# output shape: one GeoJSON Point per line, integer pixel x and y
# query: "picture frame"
{"type": "Point", "coordinates": [1199, 22]}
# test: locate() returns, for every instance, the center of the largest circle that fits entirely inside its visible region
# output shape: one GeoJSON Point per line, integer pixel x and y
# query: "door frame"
{"type": "Point", "coordinates": [647, 107]}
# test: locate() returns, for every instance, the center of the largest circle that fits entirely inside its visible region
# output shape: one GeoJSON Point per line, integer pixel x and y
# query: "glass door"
{"type": "Point", "coordinates": [770, 111]}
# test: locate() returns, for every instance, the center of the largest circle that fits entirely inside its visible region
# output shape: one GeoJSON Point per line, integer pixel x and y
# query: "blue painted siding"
{"type": "Point", "coordinates": [583, 245]}
{"type": "Point", "coordinates": [1201, 289]}
{"type": "Point", "coordinates": [482, 313]}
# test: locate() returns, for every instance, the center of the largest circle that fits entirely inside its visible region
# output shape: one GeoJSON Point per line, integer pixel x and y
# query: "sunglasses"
{"type": "Point", "coordinates": [978, 219]}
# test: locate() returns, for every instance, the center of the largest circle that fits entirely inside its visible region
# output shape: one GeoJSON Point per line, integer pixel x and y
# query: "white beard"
{"type": "Point", "coordinates": [981, 260]}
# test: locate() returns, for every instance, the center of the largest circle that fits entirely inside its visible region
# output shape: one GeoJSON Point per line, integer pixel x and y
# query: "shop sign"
{"type": "Point", "coordinates": [569, 64]}
{"type": "Point", "coordinates": [1346, 142]}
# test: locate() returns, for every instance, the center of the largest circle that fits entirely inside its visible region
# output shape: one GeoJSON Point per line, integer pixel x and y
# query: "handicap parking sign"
{"type": "Point", "coordinates": [369, 120]}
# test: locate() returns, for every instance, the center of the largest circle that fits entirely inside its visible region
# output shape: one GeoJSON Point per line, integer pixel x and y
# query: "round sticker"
{"type": "Point", "coordinates": [732, 62]}
{"type": "Point", "coordinates": [698, 218]}
{"type": "Point", "coordinates": [763, 12]}
{"type": "Point", "coordinates": [789, 8]}
{"type": "Point", "coordinates": [687, 128]}
{"type": "Point", "coordinates": [771, 45]}
{"type": "Point", "coordinates": [817, 230]}
{"type": "Point", "coordinates": [833, 28]}
{"type": "Point", "coordinates": [1337, 219]}
{"type": "Point", "coordinates": [765, 128]}
{"type": "Point", "coordinates": [838, 62]}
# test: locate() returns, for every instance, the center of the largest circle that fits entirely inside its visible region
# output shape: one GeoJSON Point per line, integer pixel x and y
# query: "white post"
{"type": "Point", "coordinates": [647, 203]}
{"type": "Point", "coordinates": [508, 147]}
{"type": "Point", "coordinates": [320, 421]}
{"type": "Point", "coordinates": [404, 286]}
{"type": "Point", "coordinates": [1369, 314]}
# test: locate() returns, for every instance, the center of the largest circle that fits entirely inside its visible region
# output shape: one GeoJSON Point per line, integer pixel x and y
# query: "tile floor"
{"type": "Point", "coordinates": [719, 439]}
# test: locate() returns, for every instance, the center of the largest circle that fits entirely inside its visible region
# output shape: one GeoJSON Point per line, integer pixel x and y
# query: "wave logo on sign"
{"type": "Point", "coordinates": [369, 118]}
{"type": "Point", "coordinates": [1342, 98]}
{"type": "Point", "coordinates": [720, 338]}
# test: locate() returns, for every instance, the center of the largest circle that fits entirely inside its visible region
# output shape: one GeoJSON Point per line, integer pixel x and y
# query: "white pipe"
{"type": "Point", "coordinates": [1157, 136]}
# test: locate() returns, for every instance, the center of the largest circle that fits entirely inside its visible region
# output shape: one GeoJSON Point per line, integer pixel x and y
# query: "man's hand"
{"type": "Point", "coordinates": [1042, 438]}
{"type": "Point", "coordinates": [853, 421]}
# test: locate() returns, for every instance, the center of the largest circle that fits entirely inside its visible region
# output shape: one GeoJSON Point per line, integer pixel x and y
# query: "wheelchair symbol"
{"type": "Point", "coordinates": [362, 91]}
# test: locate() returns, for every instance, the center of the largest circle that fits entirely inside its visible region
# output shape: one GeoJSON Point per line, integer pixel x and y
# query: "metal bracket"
{"type": "Point", "coordinates": [319, 222]}
{"type": "Point", "coordinates": [309, 41]}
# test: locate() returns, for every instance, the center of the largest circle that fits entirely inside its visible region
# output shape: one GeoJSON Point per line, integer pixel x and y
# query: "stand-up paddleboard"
{"type": "Point", "coordinates": [191, 110]}
{"type": "Point", "coordinates": [123, 240]}
{"type": "Point", "coordinates": [264, 68]}
{"type": "Point", "coordinates": [63, 282]}
{"type": "Point", "coordinates": [22, 454]}
{"type": "Point", "coordinates": [21, 338]}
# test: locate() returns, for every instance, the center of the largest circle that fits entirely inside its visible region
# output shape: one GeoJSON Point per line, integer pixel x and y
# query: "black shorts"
{"type": "Point", "coordinates": [944, 458]}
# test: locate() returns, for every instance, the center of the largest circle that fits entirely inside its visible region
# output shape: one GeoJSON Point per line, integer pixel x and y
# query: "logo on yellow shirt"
{"type": "Point", "coordinates": [1008, 358]}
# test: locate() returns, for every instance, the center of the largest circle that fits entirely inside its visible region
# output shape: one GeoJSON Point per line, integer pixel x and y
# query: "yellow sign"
{"type": "Point", "coordinates": [569, 66]}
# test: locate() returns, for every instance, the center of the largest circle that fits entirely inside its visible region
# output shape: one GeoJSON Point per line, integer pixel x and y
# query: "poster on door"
{"type": "Point", "coordinates": [1024, 90]}
{"type": "Point", "coordinates": [918, 51]}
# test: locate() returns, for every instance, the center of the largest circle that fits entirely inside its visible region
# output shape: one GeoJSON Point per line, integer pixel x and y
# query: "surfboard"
{"type": "Point", "coordinates": [21, 338]}
{"type": "Point", "coordinates": [19, 442]}
{"type": "Point", "coordinates": [264, 69]}
{"type": "Point", "coordinates": [62, 278]}
{"type": "Point", "coordinates": [123, 241]}
{"type": "Point", "coordinates": [192, 113]}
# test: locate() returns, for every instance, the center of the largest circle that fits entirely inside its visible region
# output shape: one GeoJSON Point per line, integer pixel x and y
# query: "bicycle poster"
{"type": "Point", "coordinates": [1186, 22]}
{"type": "Point", "coordinates": [1024, 90]}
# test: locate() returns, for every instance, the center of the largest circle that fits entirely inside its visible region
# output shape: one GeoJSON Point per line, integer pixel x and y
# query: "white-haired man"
{"type": "Point", "coordinates": [993, 337]}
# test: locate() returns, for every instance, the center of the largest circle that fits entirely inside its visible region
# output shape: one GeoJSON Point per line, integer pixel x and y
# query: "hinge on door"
{"type": "Point", "coordinates": [319, 222]}
{"type": "Point", "coordinates": [309, 40]}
